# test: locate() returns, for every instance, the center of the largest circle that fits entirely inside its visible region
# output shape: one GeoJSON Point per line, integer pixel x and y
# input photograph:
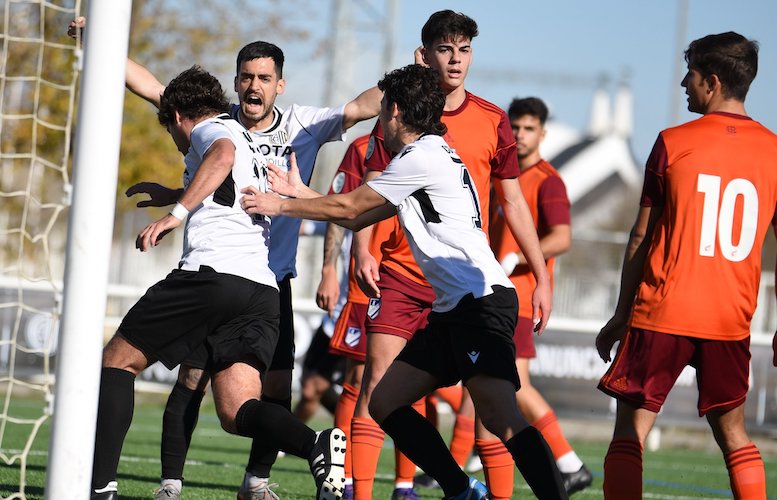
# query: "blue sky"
{"type": "Point", "coordinates": [525, 48]}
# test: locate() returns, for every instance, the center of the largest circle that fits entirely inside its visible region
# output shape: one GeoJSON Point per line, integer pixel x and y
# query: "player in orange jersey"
{"type": "Point", "coordinates": [546, 196]}
{"type": "Point", "coordinates": [692, 268]}
{"type": "Point", "coordinates": [479, 131]}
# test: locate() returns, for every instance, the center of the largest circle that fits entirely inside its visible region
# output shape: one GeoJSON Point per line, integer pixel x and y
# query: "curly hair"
{"type": "Point", "coordinates": [193, 94]}
{"type": "Point", "coordinates": [416, 91]}
{"type": "Point", "coordinates": [532, 106]}
{"type": "Point", "coordinates": [729, 55]}
{"type": "Point", "coordinates": [448, 25]}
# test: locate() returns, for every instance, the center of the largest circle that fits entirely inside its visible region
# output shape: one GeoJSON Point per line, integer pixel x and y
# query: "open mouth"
{"type": "Point", "coordinates": [253, 100]}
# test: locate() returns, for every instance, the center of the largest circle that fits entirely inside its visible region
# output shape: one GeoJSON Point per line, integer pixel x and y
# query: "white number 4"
{"type": "Point", "coordinates": [718, 217]}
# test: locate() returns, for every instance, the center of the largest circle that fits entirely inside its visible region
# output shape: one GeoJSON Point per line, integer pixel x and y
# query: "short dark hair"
{"type": "Point", "coordinates": [258, 50]}
{"type": "Point", "coordinates": [532, 106]}
{"type": "Point", "coordinates": [447, 25]}
{"type": "Point", "coordinates": [193, 94]}
{"type": "Point", "coordinates": [416, 91]}
{"type": "Point", "coordinates": [730, 56]}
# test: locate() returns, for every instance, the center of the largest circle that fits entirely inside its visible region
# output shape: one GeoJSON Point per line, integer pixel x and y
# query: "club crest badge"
{"type": "Point", "coordinates": [352, 336]}
{"type": "Point", "coordinates": [373, 309]}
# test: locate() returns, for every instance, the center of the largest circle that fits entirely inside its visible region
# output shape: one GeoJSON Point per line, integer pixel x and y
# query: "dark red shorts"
{"type": "Point", "coordinates": [524, 339]}
{"type": "Point", "coordinates": [403, 306]}
{"type": "Point", "coordinates": [350, 336]}
{"type": "Point", "coordinates": [648, 363]}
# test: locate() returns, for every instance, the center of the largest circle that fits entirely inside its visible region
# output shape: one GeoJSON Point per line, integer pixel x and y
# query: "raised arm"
{"type": "Point", "coordinates": [142, 83]}
{"type": "Point", "coordinates": [365, 106]}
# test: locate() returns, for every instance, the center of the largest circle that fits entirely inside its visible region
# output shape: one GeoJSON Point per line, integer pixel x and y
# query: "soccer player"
{"type": "Point", "coordinates": [223, 295]}
{"type": "Point", "coordinates": [469, 334]}
{"type": "Point", "coordinates": [350, 336]}
{"type": "Point", "coordinates": [546, 196]}
{"type": "Point", "coordinates": [692, 268]}
{"type": "Point", "coordinates": [480, 133]}
{"type": "Point", "coordinates": [300, 129]}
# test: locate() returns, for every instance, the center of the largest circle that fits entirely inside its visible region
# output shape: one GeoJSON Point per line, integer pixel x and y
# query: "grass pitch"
{"type": "Point", "coordinates": [216, 460]}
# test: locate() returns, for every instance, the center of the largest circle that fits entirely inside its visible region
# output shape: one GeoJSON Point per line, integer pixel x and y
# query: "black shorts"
{"type": "Point", "coordinates": [474, 338]}
{"type": "Point", "coordinates": [283, 357]}
{"type": "Point", "coordinates": [226, 317]}
{"type": "Point", "coordinates": [319, 360]}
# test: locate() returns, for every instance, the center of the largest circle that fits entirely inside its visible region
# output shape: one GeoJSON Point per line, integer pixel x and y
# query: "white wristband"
{"type": "Point", "coordinates": [179, 211]}
{"type": "Point", "coordinates": [509, 262]}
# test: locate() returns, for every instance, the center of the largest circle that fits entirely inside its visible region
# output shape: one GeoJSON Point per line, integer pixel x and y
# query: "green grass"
{"type": "Point", "coordinates": [216, 460]}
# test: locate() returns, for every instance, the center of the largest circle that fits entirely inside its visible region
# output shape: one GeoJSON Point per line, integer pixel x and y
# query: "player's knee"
{"type": "Point", "coordinates": [380, 406]}
{"type": "Point", "coordinates": [227, 420]}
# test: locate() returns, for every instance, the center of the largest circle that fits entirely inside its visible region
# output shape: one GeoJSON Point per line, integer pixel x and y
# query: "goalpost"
{"type": "Point", "coordinates": [90, 230]}
{"type": "Point", "coordinates": [39, 67]}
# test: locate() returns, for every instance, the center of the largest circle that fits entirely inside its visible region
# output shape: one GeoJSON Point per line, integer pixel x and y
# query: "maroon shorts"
{"type": "Point", "coordinates": [648, 363]}
{"type": "Point", "coordinates": [403, 306]}
{"type": "Point", "coordinates": [524, 338]}
{"type": "Point", "coordinates": [350, 337]}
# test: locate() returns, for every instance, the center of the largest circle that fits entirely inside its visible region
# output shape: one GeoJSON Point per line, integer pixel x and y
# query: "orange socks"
{"type": "Point", "coordinates": [343, 416]}
{"type": "Point", "coordinates": [746, 473]}
{"type": "Point", "coordinates": [366, 443]}
{"type": "Point", "coordinates": [551, 430]}
{"type": "Point", "coordinates": [498, 466]}
{"type": "Point", "coordinates": [623, 470]}
{"type": "Point", "coordinates": [404, 468]}
{"type": "Point", "coordinates": [463, 439]}
{"type": "Point", "coordinates": [451, 395]}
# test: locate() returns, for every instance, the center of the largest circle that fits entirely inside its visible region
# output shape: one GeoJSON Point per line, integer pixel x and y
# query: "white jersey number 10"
{"type": "Point", "coordinates": [717, 219]}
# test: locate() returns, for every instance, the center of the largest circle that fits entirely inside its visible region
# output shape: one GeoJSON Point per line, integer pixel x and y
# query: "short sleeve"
{"type": "Point", "coordinates": [504, 164]}
{"type": "Point", "coordinates": [553, 203]}
{"type": "Point", "coordinates": [403, 176]}
{"type": "Point", "coordinates": [653, 188]}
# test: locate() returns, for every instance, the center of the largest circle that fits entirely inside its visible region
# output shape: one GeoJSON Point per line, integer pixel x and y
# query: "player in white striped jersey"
{"type": "Point", "coordinates": [223, 295]}
{"type": "Point", "coordinates": [469, 335]}
{"type": "Point", "coordinates": [299, 129]}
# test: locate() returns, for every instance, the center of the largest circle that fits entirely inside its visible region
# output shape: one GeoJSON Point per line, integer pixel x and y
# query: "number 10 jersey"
{"type": "Point", "coordinates": [715, 178]}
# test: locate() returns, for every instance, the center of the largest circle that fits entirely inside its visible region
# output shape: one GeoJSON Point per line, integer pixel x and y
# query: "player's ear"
{"type": "Point", "coordinates": [178, 118]}
{"type": "Point", "coordinates": [422, 50]}
{"type": "Point", "coordinates": [281, 86]}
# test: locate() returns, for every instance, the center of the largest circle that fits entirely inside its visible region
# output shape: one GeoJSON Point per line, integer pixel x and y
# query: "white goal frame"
{"type": "Point", "coordinates": [90, 231]}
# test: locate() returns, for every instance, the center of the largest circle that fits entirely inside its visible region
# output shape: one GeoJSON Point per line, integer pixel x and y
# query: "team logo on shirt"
{"type": "Point", "coordinates": [280, 137]}
{"type": "Point", "coordinates": [373, 309]}
{"type": "Point", "coordinates": [338, 182]}
{"type": "Point", "coordinates": [473, 356]}
{"type": "Point", "coordinates": [352, 336]}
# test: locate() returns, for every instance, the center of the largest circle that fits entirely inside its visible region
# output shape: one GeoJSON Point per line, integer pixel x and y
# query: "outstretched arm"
{"type": "Point", "coordinates": [365, 106]}
{"type": "Point", "coordinates": [140, 81]}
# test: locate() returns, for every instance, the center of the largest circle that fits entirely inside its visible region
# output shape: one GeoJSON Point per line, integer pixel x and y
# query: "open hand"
{"type": "Point", "coordinates": [159, 195]}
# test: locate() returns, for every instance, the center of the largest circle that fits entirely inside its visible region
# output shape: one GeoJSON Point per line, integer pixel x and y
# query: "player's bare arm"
{"type": "Point", "coordinates": [328, 291]}
{"type": "Point", "coordinates": [139, 80]}
{"type": "Point", "coordinates": [365, 266]}
{"type": "Point", "coordinates": [521, 224]}
{"type": "Point", "coordinates": [216, 165]}
{"type": "Point", "coordinates": [365, 106]}
{"type": "Point", "coordinates": [159, 195]}
{"type": "Point", "coordinates": [631, 275]}
{"type": "Point", "coordinates": [555, 242]}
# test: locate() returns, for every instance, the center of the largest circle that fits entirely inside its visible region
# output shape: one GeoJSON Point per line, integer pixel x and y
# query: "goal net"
{"type": "Point", "coordinates": [37, 93]}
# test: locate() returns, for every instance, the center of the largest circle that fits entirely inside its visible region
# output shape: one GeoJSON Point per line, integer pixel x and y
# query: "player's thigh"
{"type": "Point", "coordinates": [402, 385]}
{"type": "Point", "coordinates": [382, 349]}
{"type": "Point", "coordinates": [494, 400]}
{"type": "Point", "coordinates": [121, 354]}
{"type": "Point", "coordinates": [232, 387]}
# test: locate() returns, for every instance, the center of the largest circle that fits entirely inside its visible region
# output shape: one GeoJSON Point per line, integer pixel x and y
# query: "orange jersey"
{"type": "Point", "coordinates": [546, 196]}
{"type": "Point", "coordinates": [715, 179]}
{"type": "Point", "coordinates": [480, 133]}
{"type": "Point", "coordinates": [348, 177]}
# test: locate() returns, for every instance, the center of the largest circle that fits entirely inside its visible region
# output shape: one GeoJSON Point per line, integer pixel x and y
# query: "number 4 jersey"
{"type": "Point", "coordinates": [716, 180]}
{"type": "Point", "coordinates": [439, 211]}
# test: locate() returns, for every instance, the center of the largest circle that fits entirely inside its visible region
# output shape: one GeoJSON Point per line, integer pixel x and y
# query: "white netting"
{"type": "Point", "coordinates": [37, 93]}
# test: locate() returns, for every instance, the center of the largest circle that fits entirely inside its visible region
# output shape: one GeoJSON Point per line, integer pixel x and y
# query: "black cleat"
{"type": "Point", "coordinates": [577, 481]}
{"type": "Point", "coordinates": [326, 464]}
{"type": "Point", "coordinates": [108, 492]}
